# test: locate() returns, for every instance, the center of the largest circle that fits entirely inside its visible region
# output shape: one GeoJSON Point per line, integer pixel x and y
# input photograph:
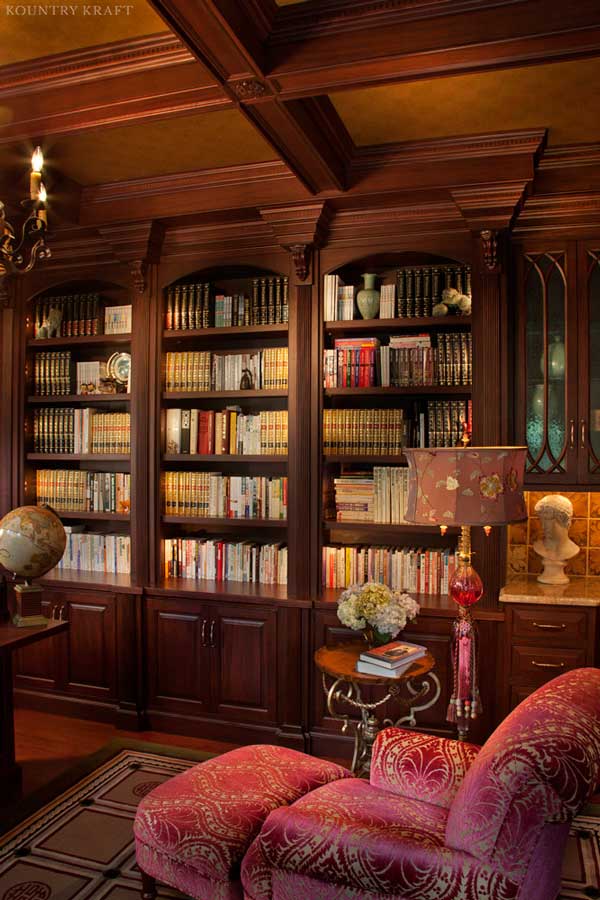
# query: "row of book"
{"type": "Point", "coordinates": [417, 289]}
{"type": "Point", "coordinates": [405, 361]}
{"type": "Point", "coordinates": [213, 495]}
{"type": "Point", "coordinates": [107, 554]}
{"type": "Point", "coordinates": [78, 314]}
{"type": "Point", "coordinates": [205, 371]}
{"type": "Point", "coordinates": [368, 432]}
{"type": "Point", "coordinates": [52, 374]}
{"type": "Point", "coordinates": [193, 306]}
{"type": "Point", "coordinates": [68, 430]}
{"type": "Point", "coordinates": [447, 421]}
{"type": "Point", "coordinates": [380, 496]}
{"type": "Point", "coordinates": [221, 560]}
{"type": "Point", "coordinates": [418, 569]}
{"type": "Point", "coordinates": [79, 491]}
{"type": "Point", "coordinates": [206, 432]}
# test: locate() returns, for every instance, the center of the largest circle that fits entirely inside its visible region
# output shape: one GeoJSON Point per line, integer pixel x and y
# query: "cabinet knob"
{"type": "Point", "coordinates": [572, 434]}
{"type": "Point", "coordinates": [549, 627]}
{"type": "Point", "coordinates": [212, 633]}
{"type": "Point", "coordinates": [540, 665]}
{"type": "Point", "coordinates": [204, 623]}
{"type": "Point", "coordinates": [583, 433]}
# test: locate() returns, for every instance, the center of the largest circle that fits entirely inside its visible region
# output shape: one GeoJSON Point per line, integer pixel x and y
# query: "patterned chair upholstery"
{"type": "Point", "coordinates": [441, 820]}
{"type": "Point", "coordinates": [192, 831]}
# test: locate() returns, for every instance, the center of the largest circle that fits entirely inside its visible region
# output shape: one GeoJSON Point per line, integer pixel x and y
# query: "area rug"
{"type": "Point", "coordinates": [79, 845]}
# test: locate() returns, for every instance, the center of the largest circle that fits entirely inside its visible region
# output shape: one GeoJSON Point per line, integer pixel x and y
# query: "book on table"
{"type": "Point", "coordinates": [394, 655]}
{"type": "Point", "coordinates": [372, 668]}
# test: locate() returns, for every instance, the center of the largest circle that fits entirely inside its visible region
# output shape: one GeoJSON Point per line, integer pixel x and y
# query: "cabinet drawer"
{"type": "Point", "coordinates": [537, 665]}
{"type": "Point", "coordinates": [566, 627]}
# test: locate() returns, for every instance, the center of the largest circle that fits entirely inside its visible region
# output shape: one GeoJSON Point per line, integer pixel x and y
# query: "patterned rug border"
{"type": "Point", "coordinates": [19, 811]}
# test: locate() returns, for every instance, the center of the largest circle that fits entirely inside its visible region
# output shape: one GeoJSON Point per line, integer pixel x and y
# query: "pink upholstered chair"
{"type": "Point", "coordinates": [441, 820]}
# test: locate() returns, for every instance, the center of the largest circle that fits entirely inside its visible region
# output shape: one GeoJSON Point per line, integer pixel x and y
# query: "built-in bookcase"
{"type": "Point", "coordinates": [224, 433]}
{"type": "Point", "coordinates": [380, 395]}
{"type": "Point", "coordinates": [77, 447]}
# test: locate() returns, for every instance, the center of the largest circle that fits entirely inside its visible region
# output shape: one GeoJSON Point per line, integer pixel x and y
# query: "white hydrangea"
{"type": "Point", "coordinates": [376, 605]}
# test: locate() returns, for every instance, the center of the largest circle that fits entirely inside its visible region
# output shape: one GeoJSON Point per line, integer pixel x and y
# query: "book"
{"type": "Point", "coordinates": [369, 668]}
{"type": "Point", "coordinates": [394, 654]}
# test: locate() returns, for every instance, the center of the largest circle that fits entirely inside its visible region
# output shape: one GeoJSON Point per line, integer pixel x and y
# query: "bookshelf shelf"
{"type": "Point", "coordinates": [215, 523]}
{"type": "Point", "coordinates": [229, 590]}
{"type": "Point", "coordinates": [395, 460]}
{"type": "Point", "coordinates": [79, 399]}
{"type": "Point", "coordinates": [222, 395]}
{"type": "Point", "coordinates": [183, 458]}
{"type": "Point", "coordinates": [421, 391]}
{"type": "Point", "coordinates": [90, 340]}
{"type": "Point", "coordinates": [198, 334]}
{"type": "Point", "coordinates": [99, 581]}
{"type": "Point", "coordinates": [78, 457]}
{"type": "Point", "coordinates": [93, 516]}
{"type": "Point", "coordinates": [367, 326]}
{"type": "Point", "coordinates": [377, 528]}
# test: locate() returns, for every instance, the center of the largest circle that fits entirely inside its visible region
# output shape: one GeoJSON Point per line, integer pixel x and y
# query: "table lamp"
{"type": "Point", "coordinates": [465, 486]}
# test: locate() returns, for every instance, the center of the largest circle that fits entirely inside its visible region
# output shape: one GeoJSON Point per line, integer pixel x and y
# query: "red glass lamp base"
{"type": "Point", "coordinates": [466, 587]}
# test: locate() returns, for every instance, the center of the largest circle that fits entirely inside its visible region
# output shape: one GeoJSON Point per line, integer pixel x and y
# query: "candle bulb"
{"type": "Point", "coordinates": [42, 197]}
{"type": "Point", "coordinates": [35, 178]}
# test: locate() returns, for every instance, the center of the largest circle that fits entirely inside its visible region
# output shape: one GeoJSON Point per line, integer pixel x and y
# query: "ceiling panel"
{"type": "Point", "coordinates": [72, 26]}
{"type": "Point", "coordinates": [183, 144]}
{"type": "Point", "coordinates": [564, 97]}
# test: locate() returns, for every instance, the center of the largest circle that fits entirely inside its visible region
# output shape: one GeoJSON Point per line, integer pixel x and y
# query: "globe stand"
{"type": "Point", "coordinates": [29, 606]}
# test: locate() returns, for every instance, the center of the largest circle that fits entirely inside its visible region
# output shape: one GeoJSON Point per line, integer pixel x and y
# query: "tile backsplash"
{"type": "Point", "coordinates": [585, 531]}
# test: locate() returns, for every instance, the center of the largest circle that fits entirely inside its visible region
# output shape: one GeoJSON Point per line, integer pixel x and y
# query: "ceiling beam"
{"type": "Point", "coordinates": [320, 47]}
{"type": "Point", "coordinates": [115, 84]}
{"type": "Point", "coordinates": [229, 39]}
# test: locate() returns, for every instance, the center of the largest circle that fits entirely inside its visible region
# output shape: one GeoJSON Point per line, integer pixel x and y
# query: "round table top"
{"type": "Point", "coordinates": [339, 661]}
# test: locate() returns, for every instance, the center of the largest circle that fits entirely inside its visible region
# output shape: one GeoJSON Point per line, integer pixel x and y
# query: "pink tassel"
{"type": "Point", "coordinates": [465, 703]}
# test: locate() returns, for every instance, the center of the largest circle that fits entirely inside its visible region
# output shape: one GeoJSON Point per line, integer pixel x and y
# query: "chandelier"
{"type": "Point", "coordinates": [19, 258]}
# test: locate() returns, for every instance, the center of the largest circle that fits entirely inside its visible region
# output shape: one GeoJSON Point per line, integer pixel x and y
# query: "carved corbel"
{"type": "Point", "coordinates": [138, 269]}
{"type": "Point", "coordinates": [301, 254]}
{"type": "Point", "coordinates": [489, 249]}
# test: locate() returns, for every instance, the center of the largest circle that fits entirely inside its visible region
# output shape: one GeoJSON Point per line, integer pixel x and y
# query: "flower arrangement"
{"type": "Point", "coordinates": [376, 610]}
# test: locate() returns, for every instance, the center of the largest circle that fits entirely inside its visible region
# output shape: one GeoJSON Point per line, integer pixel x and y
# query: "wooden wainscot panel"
{"type": "Point", "coordinates": [91, 661]}
{"type": "Point", "coordinates": [38, 667]}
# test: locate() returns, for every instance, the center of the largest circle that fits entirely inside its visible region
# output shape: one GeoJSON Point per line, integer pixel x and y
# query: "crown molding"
{"type": "Point", "coordinates": [572, 211]}
{"type": "Point", "coordinates": [70, 69]}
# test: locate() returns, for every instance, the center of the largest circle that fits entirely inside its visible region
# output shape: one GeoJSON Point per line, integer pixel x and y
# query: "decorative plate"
{"type": "Point", "coordinates": [119, 367]}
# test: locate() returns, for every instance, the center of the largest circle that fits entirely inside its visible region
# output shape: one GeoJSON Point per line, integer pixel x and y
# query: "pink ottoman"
{"type": "Point", "coordinates": [192, 832]}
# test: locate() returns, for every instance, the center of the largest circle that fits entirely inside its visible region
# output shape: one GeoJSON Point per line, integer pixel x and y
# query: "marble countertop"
{"type": "Point", "coordinates": [527, 589]}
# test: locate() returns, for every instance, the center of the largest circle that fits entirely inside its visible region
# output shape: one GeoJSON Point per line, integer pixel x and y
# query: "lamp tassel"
{"type": "Point", "coordinates": [465, 702]}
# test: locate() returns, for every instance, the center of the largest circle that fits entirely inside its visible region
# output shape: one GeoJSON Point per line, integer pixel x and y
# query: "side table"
{"type": "Point", "coordinates": [339, 663]}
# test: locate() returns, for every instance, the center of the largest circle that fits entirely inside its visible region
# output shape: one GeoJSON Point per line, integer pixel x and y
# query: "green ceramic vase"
{"type": "Point", "coordinates": [367, 299]}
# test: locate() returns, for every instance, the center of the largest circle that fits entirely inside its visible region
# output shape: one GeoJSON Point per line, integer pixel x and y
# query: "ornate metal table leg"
{"type": "Point", "coordinates": [426, 688]}
{"type": "Point", "coordinates": [366, 730]}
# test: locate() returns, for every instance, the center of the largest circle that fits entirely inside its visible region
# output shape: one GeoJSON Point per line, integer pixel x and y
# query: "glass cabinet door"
{"type": "Point", "coordinates": [549, 429]}
{"type": "Point", "coordinates": [589, 422]}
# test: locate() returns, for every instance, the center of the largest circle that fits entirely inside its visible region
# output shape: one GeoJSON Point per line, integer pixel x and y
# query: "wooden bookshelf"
{"type": "Point", "coordinates": [229, 458]}
{"type": "Point", "coordinates": [78, 457]}
{"type": "Point", "coordinates": [409, 391]}
{"type": "Point", "coordinates": [390, 459]}
{"type": "Point", "coordinates": [401, 530]}
{"type": "Point", "coordinates": [239, 331]}
{"type": "Point", "coordinates": [90, 340]}
{"type": "Point", "coordinates": [213, 522]}
{"type": "Point", "coordinates": [78, 399]}
{"type": "Point", "coordinates": [93, 516]}
{"type": "Point", "coordinates": [223, 395]}
{"type": "Point", "coordinates": [352, 327]}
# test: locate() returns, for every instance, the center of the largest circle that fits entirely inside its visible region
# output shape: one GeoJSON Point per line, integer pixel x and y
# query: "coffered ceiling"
{"type": "Point", "coordinates": [35, 34]}
{"type": "Point", "coordinates": [562, 97]}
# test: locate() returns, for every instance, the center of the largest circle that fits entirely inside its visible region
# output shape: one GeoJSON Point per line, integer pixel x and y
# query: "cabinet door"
{"type": "Point", "coordinates": [178, 658]}
{"type": "Point", "coordinates": [91, 668]}
{"type": "Point", "coordinates": [40, 666]}
{"type": "Point", "coordinates": [244, 649]}
{"type": "Point", "coordinates": [588, 428]}
{"type": "Point", "coordinates": [546, 364]}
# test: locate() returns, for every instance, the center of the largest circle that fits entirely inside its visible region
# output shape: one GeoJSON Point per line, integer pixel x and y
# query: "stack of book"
{"type": "Point", "coordinates": [354, 362]}
{"type": "Point", "coordinates": [380, 496]}
{"type": "Point", "coordinates": [213, 495]}
{"type": "Point", "coordinates": [207, 432]}
{"type": "Point", "coordinates": [445, 421]}
{"type": "Point", "coordinates": [108, 554]}
{"type": "Point", "coordinates": [391, 660]}
{"type": "Point", "coordinates": [419, 288]}
{"type": "Point", "coordinates": [338, 299]}
{"type": "Point", "coordinates": [222, 560]}
{"type": "Point", "coordinates": [68, 430]}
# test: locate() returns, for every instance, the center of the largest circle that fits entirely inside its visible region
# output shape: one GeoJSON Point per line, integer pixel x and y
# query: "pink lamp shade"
{"type": "Point", "coordinates": [466, 485]}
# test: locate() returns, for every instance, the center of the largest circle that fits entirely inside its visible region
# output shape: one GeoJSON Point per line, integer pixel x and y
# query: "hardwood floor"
{"type": "Point", "coordinates": [47, 745]}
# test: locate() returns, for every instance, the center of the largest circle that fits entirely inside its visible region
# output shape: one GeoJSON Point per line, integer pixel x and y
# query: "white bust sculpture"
{"type": "Point", "coordinates": [556, 548]}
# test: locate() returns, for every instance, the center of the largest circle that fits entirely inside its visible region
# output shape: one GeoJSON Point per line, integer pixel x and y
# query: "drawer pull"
{"type": "Point", "coordinates": [539, 665]}
{"type": "Point", "coordinates": [550, 627]}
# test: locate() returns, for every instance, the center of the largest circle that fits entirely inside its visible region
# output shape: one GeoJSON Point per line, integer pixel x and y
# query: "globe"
{"type": "Point", "coordinates": [32, 541]}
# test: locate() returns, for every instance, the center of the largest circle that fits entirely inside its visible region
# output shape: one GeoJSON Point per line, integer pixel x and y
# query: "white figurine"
{"type": "Point", "coordinates": [555, 512]}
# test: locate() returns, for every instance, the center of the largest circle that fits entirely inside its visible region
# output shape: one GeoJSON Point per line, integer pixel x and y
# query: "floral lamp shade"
{"type": "Point", "coordinates": [466, 485]}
